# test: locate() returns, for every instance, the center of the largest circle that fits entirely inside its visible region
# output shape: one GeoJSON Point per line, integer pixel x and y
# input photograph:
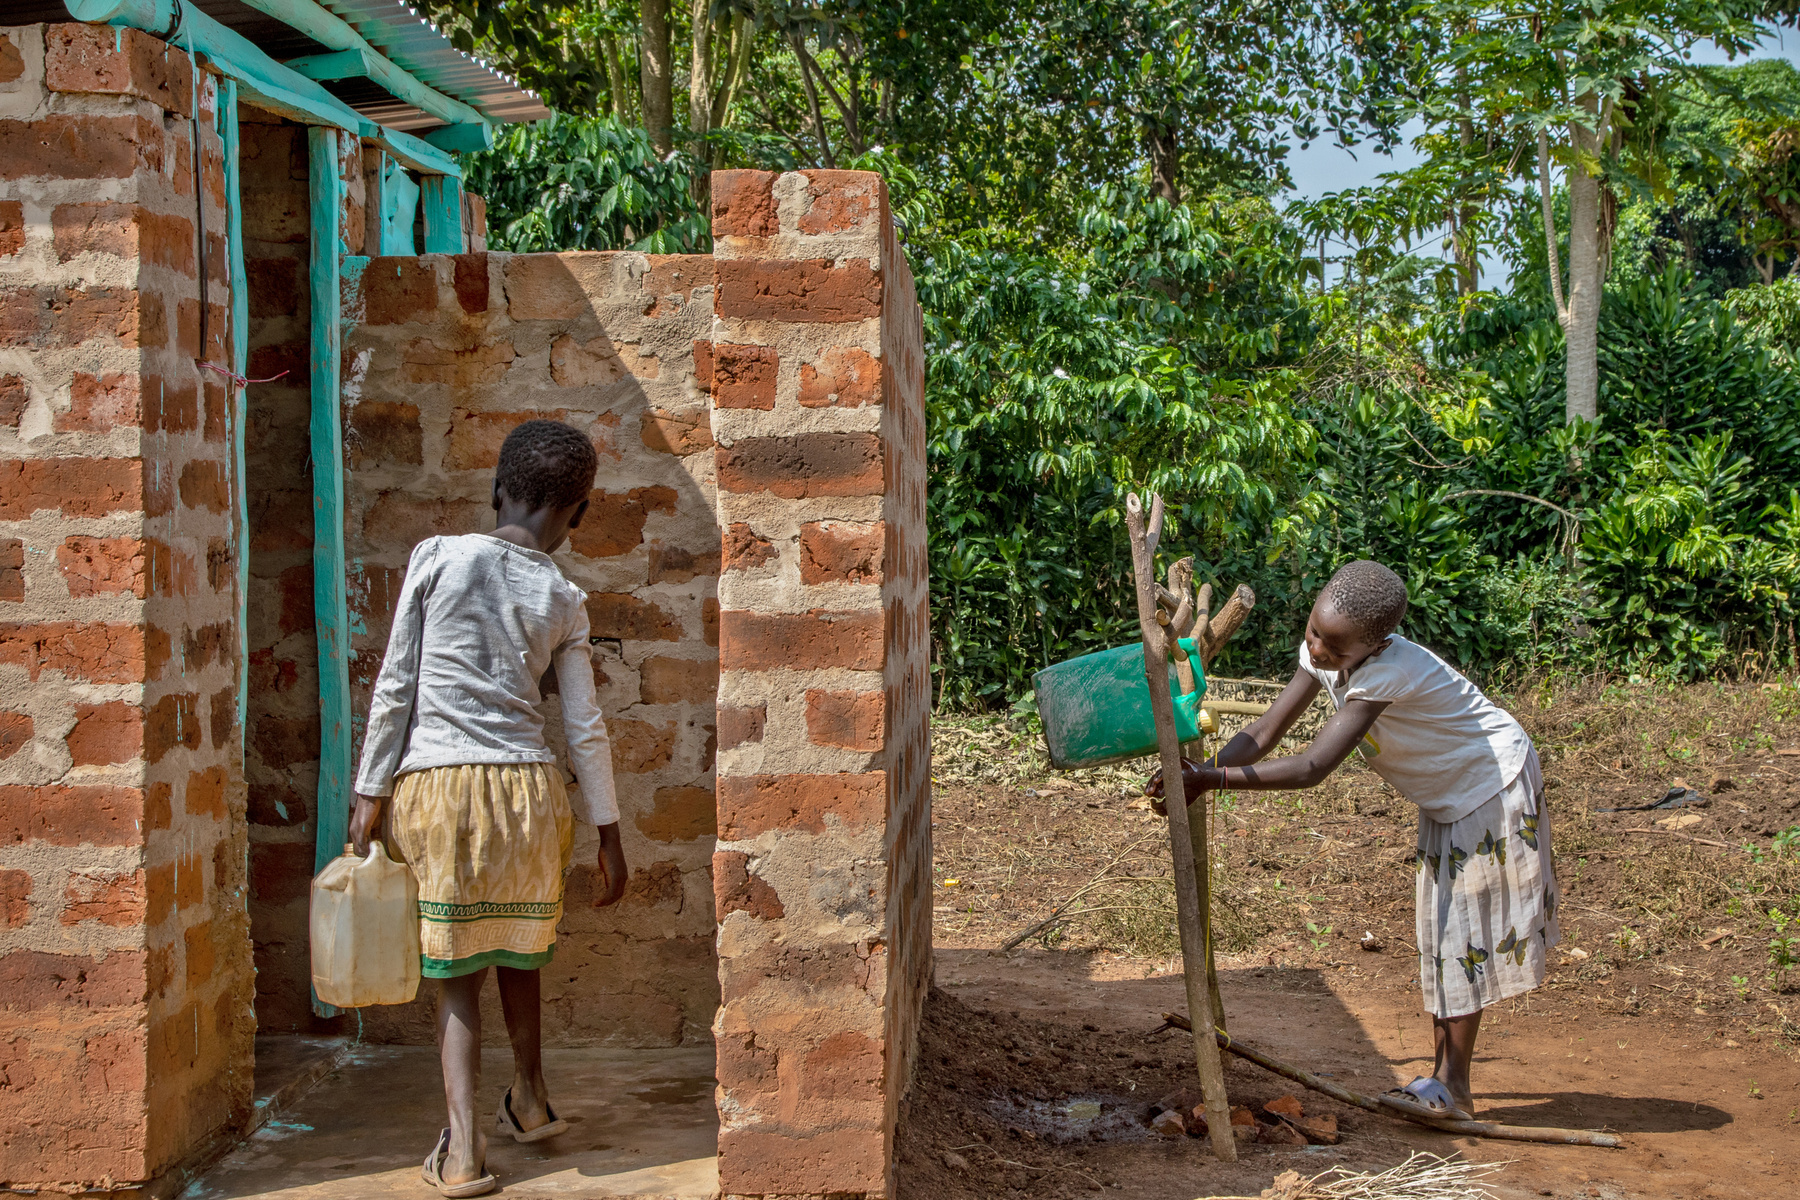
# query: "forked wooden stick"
{"type": "Point", "coordinates": [1485, 1129]}
{"type": "Point", "coordinates": [1144, 537]}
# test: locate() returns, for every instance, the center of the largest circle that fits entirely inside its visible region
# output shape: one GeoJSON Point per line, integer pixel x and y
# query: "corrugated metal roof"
{"type": "Point", "coordinates": [417, 47]}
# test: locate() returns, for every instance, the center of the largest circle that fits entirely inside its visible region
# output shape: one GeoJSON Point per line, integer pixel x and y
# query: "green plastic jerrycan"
{"type": "Point", "coordinates": [1096, 708]}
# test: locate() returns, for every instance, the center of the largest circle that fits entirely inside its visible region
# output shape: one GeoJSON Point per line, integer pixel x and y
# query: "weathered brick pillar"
{"type": "Point", "coordinates": [125, 1021]}
{"type": "Point", "coordinates": [823, 866]}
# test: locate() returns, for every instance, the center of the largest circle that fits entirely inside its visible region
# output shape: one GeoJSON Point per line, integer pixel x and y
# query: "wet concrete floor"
{"type": "Point", "coordinates": [642, 1123]}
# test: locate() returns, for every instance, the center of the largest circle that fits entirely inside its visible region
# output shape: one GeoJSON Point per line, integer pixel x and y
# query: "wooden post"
{"type": "Point", "coordinates": [1181, 846]}
{"type": "Point", "coordinates": [331, 619]}
{"type": "Point", "coordinates": [237, 404]}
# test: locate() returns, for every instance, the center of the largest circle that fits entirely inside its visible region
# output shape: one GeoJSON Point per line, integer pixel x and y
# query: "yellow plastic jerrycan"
{"type": "Point", "coordinates": [365, 930]}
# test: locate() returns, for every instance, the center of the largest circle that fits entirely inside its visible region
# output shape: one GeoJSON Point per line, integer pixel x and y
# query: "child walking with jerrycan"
{"type": "Point", "coordinates": [1486, 895]}
{"type": "Point", "coordinates": [475, 802]}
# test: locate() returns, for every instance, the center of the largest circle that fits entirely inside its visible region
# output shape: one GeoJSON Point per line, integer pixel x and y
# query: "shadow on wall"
{"type": "Point", "coordinates": [443, 356]}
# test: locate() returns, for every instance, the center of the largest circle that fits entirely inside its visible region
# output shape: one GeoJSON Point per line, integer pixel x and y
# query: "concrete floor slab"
{"type": "Point", "coordinates": [643, 1126]}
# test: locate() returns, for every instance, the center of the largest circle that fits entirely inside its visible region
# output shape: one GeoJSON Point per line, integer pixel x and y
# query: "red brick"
{"type": "Point", "coordinates": [96, 566]}
{"type": "Point", "coordinates": [112, 732]}
{"type": "Point", "coordinates": [744, 376]}
{"type": "Point", "coordinates": [750, 805]}
{"type": "Point", "coordinates": [190, 881]}
{"type": "Point", "coordinates": [686, 432]}
{"type": "Point", "coordinates": [383, 431]}
{"type": "Point", "coordinates": [470, 277]}
{"type": "Point", "coordinates": [198, 947]}
{"type": "Point", "coordinates": [756, 1162]}
{"type": "Point", "coordinates": [476, 437]}
{"type": "Point", "coordinates": [187, 330]}
{"type": "Point", "coordinates": [274, 288]}
{"type": "Point", "coordinates": [51, 317]}
{"type": "Point", "coordinates": [12, 213]}
{"type": "Point", "coordinates": [283, 742]}
{"type": "Point", "coordinates": [614, 523]}
{"type": "Point", "coordinates": [205, 793]}
{"type": "Point", "coordinates": [116, 900]}
{"type": "Point", "coordinates": [398, 519]}
{"type": "Point", "coordinates": [743, 204]}
{"type": "Point", "coordinates": [738, 726]}
{"type": "Point", "coordinates": [223, 718]}
{"type": "Point", "coordinates": [849, 720]}
{"type": "Point", "coordinates": [12, 569]}
{"type": "Point", "coordinates": [126, 230]}
{"type": "Point", "coordinates": [754, 641]}
{"type": "Point", "coordinates": [803, 291]}
{"type": "Point", "coordinates": [281, 872]}
{"type": "Point", "coordinates": [213, 393]}
{"type": "Point", "coordinates": [703, 365]}
{"type": "Point", "coordinates": [680, 814]}
{"type": "Point", "coordinates": [844, 378]}
{"type": "Point", "coordinates": [297, 599]}
{"type": "Point", "coordinates": [122, 62]}
{"type": "Point", "coordinates": [619, 615]}
{"type": "Point", "coordinates": [675, 275]}
{"type": "Point", "coordinates": [423, 360]}
{"type": "Point", "coordinates": [171, 405]}
{"type": "Point", "coordinates": [201, 646]}
{"type": "Point", "coordinates": [672, 564]}
{"type": "Point", "coordinates": [736, 890]}
{"type": "Point", "coordinates": [66, 146]}
{"type": "Point", "coordinates": [546, 287]}
{"type": "Point", "coordinates": [664, 680]}
{"type": "Point", "coordinates": [96, 814]}
{"type": "Point", "coordinates": [745, 551]}
{"type": "Point", "coordinates": [843, 202]}
{"type": "Point", "coordinates": [205, 484]}
{"type": "Point", "coordinates": [638, 747]}
{"type": "Point", "coordinates": [276, 804]}
{"type": "Point", "coordinates": [88, 651]}
{"type": "Point", "coordinates": [399, 290]}
{"type": "Point", "coordinates": [658, 884]}
{"type": "Point", "coordinates": [842, 551]}
{"type": "Point", "coordinates": [77, 487]}
{"type": "Point", "coordinates": [806, 465]}
{"type": "Point", "coordinates": [98, 403]}
{"type": "Point", "coordinates": [159, 809]}
{"type": "Point", "coordinates": [221, 560]}
{"type": "Point", "coordinates": [31, 980]}
{"type": "Point", "coordinates": [16, 729]}
{"type": "Point", "coordinates": [846, 1066]}
{"type": "Point", "coordinates": [15, 897]}
{"type": "Point", "coordinates": [172, 721]}
{"type": "Point", "coordinates": [15, 398]}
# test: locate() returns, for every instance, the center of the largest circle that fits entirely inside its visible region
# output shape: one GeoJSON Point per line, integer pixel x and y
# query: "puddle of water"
{"type": "Point", "coordinates": [1076, 1118]}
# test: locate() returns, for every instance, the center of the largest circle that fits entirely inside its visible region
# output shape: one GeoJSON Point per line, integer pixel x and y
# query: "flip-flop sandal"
{"type": "Point", "coordinates": [434, 1168]}
{"type": "Point", "coordinates": [507, 1123]}
{"type": "Point", "coordinates": [1427, 1097]}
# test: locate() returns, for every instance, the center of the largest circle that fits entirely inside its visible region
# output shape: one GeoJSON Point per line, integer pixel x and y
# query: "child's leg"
{"type": "Point", "coordinates": [519, 999]}
{"type": "Point", "coordinates": [459, 1048]}
{"type": "Point", "coordinates": [1455, 1053]}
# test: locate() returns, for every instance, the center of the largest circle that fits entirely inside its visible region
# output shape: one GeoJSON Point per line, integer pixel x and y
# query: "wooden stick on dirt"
{"type": "Point", "coordinates": [1144, 537]}
{"type": "Point", "coordinates": [1484, 1129]}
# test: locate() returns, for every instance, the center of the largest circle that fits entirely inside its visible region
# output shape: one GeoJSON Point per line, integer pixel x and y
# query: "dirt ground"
{"type": "Point", "coordinates": [1669, 1016]}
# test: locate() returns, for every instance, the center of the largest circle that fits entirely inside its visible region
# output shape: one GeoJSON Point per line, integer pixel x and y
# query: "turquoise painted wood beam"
{"type": "Point", "coordinates": [330, 607]}
{"type": "Point", "coordinates": [261, 80]}
{"type": "Point", "coordinates": [227, 118]}
{"type": "Point", "coordinates": [334, 33]}
{"type": "Point", "coordinates": [344, 64]}
{"type": "Point", "coordinates": [442, 197]}
{"type": "Point", "coordinates": [461, 137]}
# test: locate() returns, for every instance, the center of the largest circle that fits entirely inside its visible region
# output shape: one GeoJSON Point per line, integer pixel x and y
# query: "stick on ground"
{"type": "Point", "coordinates": [1485, 1129]}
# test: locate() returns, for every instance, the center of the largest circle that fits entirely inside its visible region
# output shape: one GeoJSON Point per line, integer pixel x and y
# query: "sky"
{"type": "Point", "coordinates": [1327, 167]}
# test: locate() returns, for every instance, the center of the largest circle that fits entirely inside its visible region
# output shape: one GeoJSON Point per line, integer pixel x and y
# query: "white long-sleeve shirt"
{"type": "Point", "coordinates": [478, 623]}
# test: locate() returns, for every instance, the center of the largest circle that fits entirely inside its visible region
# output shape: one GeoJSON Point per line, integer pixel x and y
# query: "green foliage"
{"type": "Point", "coordinates": [586, 183]}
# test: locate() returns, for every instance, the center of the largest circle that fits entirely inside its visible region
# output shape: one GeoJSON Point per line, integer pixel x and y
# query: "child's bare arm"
{"type": "Point", "coordinates": [1253, 742]}
{"type": "Point", "coordinates": [1309, 768]}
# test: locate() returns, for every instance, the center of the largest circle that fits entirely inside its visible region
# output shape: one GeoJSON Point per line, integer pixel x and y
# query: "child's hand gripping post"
{"type": "Point", "coordinates": [613, 871]}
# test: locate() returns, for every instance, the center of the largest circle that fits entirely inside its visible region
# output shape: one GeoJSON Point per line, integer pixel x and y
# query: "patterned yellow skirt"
{"type": "Point", "coordinates": [488, 844]}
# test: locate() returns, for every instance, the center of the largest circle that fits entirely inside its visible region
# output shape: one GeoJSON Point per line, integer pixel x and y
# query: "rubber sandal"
{"type": "Point", "coordinates": [1425, 1097]}
{"type": "Point", "coordinates": [507, 1123]}
{"type": "Point", "coordinates": [434, 1167]}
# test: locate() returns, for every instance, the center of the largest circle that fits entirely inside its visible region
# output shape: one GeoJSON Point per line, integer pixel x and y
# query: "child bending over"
{"type": "Point", "coordinates": [1486, 893]}
{"type": "Point", "coordinates": [478, 808]}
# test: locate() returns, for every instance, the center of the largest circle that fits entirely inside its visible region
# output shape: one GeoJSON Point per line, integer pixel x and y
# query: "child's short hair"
{"type": "Point", "coordinates": [1369, 595]}
{"type": "Point", "coordinates": [547, 464]}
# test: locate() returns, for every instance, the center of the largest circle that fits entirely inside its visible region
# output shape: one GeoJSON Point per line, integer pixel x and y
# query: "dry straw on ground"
{"type": "Point", "coordinates": [1420, 1177]}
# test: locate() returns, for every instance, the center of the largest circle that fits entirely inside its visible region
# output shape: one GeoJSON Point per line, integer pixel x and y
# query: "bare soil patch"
{"type": "Point", "coordinates": [1667, 1016]}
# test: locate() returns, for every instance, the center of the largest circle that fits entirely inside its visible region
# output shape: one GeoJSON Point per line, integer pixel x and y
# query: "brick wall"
{"type": "Point", "coordinates": [445, 356]}
{"type": "Point", "coordinates": [824, 812]}
{"type": "Point", "coordinates": [125, 1017]}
